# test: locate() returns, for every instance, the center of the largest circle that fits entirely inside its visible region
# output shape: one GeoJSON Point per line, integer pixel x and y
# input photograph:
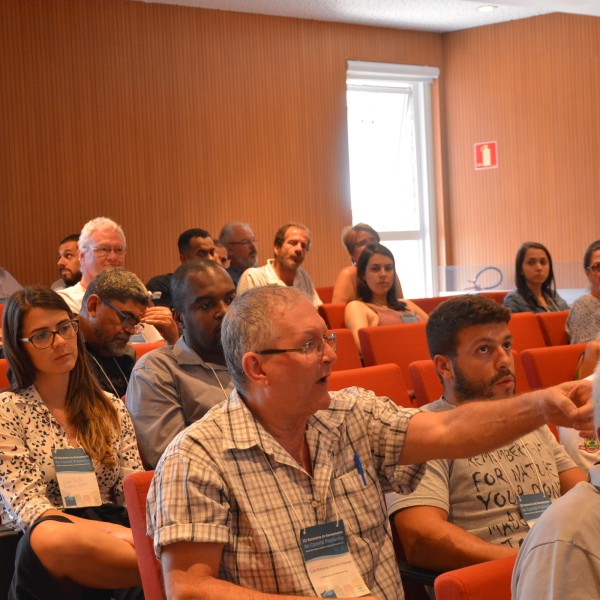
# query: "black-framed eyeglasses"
{"type": "Point", "coordinates": [106, 250]}
{"type": "Point", "coordinates": [127, 321]}
{"type": "Point", "coordinates": [45, 339]}
{"type": "Point", "coordinates": [595, 267]}
{"type": "Point", "coordinates": [310, 347]}
{"type": "Point", "coordinates": [246, 242]}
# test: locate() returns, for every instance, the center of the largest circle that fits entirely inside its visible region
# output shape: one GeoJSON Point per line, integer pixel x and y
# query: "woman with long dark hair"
{"type": "Point", "coordinates": [65, 448]}
{"type": "Point", "coordinates": [377, 302]}
{"type": "Point", "coordinates": [534, 277]}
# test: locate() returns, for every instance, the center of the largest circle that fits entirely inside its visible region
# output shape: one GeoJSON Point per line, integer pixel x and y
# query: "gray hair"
{"type": "Point", "coordinates": [227, 231]}
{"type": "Point", "coordinates": [98, 224]}
{"type": "Point", "coordinates": [117, 284]}
{"type": "Point", "coordinates": [248, 325]}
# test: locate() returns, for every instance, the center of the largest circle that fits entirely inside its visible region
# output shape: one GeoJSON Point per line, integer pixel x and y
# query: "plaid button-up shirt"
{"type": "Point", "coordinates": [227, 480]}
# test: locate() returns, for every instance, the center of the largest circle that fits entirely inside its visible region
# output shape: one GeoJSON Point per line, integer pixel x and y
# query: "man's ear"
{"type": "Point", "coordinates": [443, 365]}
{"type": "Point", "coordinates": [253, 367]}
{"type": "Point", "coordinates": [92, 304]}
{"type": "Point", "coordinates": [177, 317]}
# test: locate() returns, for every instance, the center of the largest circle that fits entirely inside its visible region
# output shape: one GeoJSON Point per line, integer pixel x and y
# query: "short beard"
{"type": "Point", "coordinates": [465, 390]}
{"type": "Point", "coordinates": [70, 280]}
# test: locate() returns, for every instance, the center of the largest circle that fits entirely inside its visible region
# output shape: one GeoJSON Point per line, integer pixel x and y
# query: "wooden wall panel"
{"type": "Point", "coordinates": [166, 117]}
{"type": "Point", "coordinates": [532, 86]}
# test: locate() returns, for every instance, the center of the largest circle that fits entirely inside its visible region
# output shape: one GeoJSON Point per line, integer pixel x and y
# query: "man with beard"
{"type": "Point", "coordinates": [240, 244]}
{"type": "Point", "coordinates": [68, 263]}
{"type": "Point", "coordinates": [113, 305]}
{"type": "Point", "coordinates": [471, 510]}
{"type": "Point", "coordinates": [173, 386]}
{"type": "Point", "coordinates": [292, 243]}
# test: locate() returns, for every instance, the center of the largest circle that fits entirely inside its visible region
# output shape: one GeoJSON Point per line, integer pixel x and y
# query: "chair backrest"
{"type": "Point", "coordinates": [526, 332]}
{"type": "Point", "coordinates": [551, 365]}
{"type": "Point", "coordinates": [384, 380]}
{"type": "Point", "coordinates": [143, 348]}
{"type": "Point", "coordinates": [483, 581]}
{"type": "Point", "coordinates": [428, 387]}
{"type": "Point", "coordinates": [496, 296]}
{"type": "Point", "coordinates": [428, 304]}
{"type": "Point", "coordinates": [4, 382]}
{"type": "Point", "coordinates": [333, 315]}
{"type": "Point", "coordinates": [426, 383]}
{"type": "Point", "coordinates": [399, 344]}
{"type": "Point", "coordinates": [325, 293]}
{"type": "Point", "coordinates": [346, 350]}
{"type": "Point", "coordinates": [553, 329]}
{"type": "Point", "coordinates": [136, 489]}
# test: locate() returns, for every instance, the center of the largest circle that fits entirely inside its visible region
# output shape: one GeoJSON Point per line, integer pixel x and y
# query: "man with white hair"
{"type": "Point", "coordinates": [240, 243]}
{"type": "Point", "coordinates": [559, 558]}
{"type": "Point", "coordinates": [101, 246]}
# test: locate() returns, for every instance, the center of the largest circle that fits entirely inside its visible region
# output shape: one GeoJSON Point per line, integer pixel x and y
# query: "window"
{"type": "Point", "coordinates": [391, 165]}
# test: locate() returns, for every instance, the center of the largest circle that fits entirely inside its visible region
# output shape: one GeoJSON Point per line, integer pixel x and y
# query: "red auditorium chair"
{"type": "Point", "coordinates": [136, 488]}
{"type": "Point", "coordinates": [4, 382]}
{"type": "Point", "coordinates": [399, 344]}
{"type": "Point", "coordinates": [526, 332]}
{"type": "Point", "coordinates": [384, 380]}
{"type": "Point", "coordinates": [346, 350]}
{"type": "Point", "coordinates": [325, 293]}
{"type": "Point", "coordinates": [553, 329]}
{"type": "Point", "coordinates": [551, 365]}
{"type": "Point", "coordinates": [141, 349]}
{"type": "Point", "coordinates": [333, 315]}
{"type": "Point", "coordinates": [484, 581]}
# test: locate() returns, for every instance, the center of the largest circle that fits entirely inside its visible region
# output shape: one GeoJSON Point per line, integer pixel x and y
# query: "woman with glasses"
{"type": "Point", "coordinates": [65, 449]}
{"type": "Point", "coordinates": [355, 240]}
{"type": "Point", "coordinates": [534, 276]}
{"type": "Point", "coordinates": [378, 302]}
{"type": "Point", "coordinates": [583, 322]}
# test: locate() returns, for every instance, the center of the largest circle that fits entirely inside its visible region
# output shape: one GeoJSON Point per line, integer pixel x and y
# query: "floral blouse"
{"type": "Point", "coordinates": [28, 433]}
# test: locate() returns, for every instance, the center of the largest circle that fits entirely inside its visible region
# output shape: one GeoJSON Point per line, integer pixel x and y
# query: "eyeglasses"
{"type": "Point", "coordinates": [127, 321]}
{"type": "Point", "coordinates": [595, 267]}
{"type": "Point", "coordinates": [45, 339]}
{"type": "Point", "coordinates": [246, 242]}
{"type": "Point", "coordinates": [106, 250]}
{"type": "Point", "coordinates": [310, 347]}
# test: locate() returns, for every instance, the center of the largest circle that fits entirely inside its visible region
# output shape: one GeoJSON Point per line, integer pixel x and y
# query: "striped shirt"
{"type": "Point", "coordinates": [226, 480]}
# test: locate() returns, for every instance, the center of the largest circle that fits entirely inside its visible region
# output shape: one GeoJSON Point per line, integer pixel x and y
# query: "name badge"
{"type": "Point", "coordinates": [329, 564]}
{"type": "Point", "coordinates": [532, 506]}
{"type": "Point", "coordinates": [409, 318]}
{"type": "Point", "coordinates": [76, 478]}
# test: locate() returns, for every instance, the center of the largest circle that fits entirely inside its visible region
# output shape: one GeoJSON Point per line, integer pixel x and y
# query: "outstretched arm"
{"type": "Point", "coordinates": [483, 426]}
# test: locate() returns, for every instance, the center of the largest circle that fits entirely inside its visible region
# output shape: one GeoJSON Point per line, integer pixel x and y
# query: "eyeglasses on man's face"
{"type": "Point", "coordinates": [45, 339]}
{"type": "Point", "coordinates": [246, 242]}
{"type": "Point", "coordinates": [102, 251]}
{"type": "Point", "coordinates": [311, 347]}
{"type": "Point", "coordinates": [127, 321]}
{"type": "Point", "coordinates": [595, 268]}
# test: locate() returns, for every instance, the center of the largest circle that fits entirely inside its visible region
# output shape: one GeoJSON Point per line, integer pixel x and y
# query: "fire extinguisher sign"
{"type": "Point", "coordinates": [486, 155]}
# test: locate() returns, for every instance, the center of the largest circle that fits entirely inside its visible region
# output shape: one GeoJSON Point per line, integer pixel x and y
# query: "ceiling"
{"type": "Point", "coordinates": [421, 15]}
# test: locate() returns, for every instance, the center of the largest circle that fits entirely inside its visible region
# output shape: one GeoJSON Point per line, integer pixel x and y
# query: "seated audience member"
{"type": "Point", "coordinates": [112, 308]}
{"type": "Point", "coordinates": [174, 386]}
{"type": "Point", "coordinates": [68, 263]}
{"type": "Point", "coordinates": [355, 239]}
{"type": "Point", "coordinates": [221, 255]}
{"type": "Point", "coordinates": [583, 322]}
{"type": "Point", "coordinates": [467, 510]}
{"type": "Point", "coordinates": [292, 243]}
{"type": "Point", "coordinates": [378, 302]}
{"type": "Point", "coordinates": [56, 412]}
{"type": "Point", "coordinates": [102, 246]}
{"type": "Point", "coordinates": [283, 464]}
{"type": "Point", "coordinates": [192, 244]}
{"type": "Point", "coordinates": [240, 243]}
{"type": "Point", "coordinates": [534, 276]}
{"type": "Point", "coordinates": [8, 284]}
{"type": "Point", "coordinates": [559, 558]}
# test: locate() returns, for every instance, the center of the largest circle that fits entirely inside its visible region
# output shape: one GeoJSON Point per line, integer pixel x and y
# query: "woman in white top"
{"type": "Point", "coordinates": [55, 410]}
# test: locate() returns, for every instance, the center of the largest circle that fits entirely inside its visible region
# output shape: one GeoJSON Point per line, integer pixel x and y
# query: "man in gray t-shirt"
{"type": "Point", "coordinates": [466, 511]}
